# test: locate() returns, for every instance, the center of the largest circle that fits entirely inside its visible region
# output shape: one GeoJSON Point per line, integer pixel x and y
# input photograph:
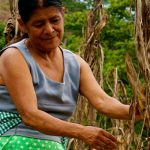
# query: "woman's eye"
{"type": "Point", "coordinates": [55, 21]}
{"type": "Point", "coordinates": [38, 24]}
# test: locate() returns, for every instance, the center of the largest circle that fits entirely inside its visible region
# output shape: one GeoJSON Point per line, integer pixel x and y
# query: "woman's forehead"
{"type": "Point", "coordinates": [50, 11]}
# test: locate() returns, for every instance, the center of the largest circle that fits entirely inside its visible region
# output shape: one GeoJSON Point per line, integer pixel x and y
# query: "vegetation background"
{"type": "Point", "coordinates": [117, 38]}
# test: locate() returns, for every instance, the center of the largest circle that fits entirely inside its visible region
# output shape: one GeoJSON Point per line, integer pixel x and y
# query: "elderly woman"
{"type": "Point", "coordinates": [40, 83]}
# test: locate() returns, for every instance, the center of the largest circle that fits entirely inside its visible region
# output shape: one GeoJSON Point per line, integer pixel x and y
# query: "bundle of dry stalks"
{"type": "Point", "coordinates": [11, 31]}
{"type": "Point", "coordinates": [92, 52]}
{"type": "Point", "coordinates": [141, 93]}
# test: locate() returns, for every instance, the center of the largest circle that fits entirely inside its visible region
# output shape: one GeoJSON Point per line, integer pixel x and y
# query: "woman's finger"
{"type": "Point", "coordinates": [109, 136]}
{"type": "Point", "coordinates": [108, 142]}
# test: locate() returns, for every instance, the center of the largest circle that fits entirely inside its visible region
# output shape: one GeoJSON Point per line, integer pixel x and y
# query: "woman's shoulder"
{"type": "Point", "coordinates": [83, 65]}
{"type": "Point", "coordinates": [72, 54]}
{"type": "Point", "coordinates": [11, 49]}
{"type": "Point", "coordinates": [11, 61]}
{"type": "Point", "coordinates": [10, 54]}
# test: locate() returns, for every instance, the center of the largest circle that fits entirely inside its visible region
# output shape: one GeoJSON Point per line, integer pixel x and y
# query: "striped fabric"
{"type": "Point", "coordinates": [8, 120]}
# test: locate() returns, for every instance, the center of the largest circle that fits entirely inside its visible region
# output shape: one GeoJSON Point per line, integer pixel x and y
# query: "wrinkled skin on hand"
{"type": "Point", "coordinates": [99, 139]}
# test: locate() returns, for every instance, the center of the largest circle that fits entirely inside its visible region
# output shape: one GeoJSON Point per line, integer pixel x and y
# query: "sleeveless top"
{"type": "Point", "coordinates": [55, 98]}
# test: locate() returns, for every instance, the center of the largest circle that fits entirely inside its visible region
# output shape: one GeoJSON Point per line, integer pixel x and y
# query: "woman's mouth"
{"type": "Point", "coordinates": [49, 37]}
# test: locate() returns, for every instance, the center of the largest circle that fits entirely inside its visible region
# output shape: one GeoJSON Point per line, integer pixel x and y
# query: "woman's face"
{"type": "Point", "coordinates": [45, 28]}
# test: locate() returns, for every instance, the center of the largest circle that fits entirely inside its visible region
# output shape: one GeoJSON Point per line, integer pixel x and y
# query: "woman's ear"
{"type": "Point", "coordinates": [22, 25]}
{"type": "Point", "coordinates": [63, 10]}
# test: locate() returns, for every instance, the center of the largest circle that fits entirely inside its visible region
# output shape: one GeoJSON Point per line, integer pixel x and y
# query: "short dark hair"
{"type": "Point", "coordinates": [27, 7]}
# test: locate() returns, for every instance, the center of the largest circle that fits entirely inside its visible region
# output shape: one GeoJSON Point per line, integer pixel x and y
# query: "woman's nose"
{"type": "Point", "coordinates": [49, 28]}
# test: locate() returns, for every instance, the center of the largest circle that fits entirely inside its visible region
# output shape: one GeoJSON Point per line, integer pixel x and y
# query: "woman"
{"type": "Point", "coordinates": [40, 82]}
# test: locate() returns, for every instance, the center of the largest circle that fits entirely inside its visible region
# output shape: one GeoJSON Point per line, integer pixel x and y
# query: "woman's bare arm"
{"type": "Point", "coordinates": [97, 97]}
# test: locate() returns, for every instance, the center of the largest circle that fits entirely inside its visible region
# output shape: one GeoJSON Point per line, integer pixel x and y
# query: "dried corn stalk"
{"type": "Point", "coordinates": [119, 128]}
{"type": "Point", "coordinates": [11, 30]}
{"type": "Point", "coordinates": [92, 53]}
{"type": "Point", "coordinates": [142, 36]}
{"type": "Point", "coordinates": [142, 43]}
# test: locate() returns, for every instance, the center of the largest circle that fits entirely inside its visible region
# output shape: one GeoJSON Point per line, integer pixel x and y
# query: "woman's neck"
{"type": "Point", "coordinates": [45, 54]}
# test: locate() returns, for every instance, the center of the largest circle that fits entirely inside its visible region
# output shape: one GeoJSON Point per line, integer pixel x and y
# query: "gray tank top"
{"type": "Point", "coordinates": [57, 99]}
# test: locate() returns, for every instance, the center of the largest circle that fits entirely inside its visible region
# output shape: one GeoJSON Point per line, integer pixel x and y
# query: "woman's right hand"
{"type": "Point", "coordinates": [98, 138]}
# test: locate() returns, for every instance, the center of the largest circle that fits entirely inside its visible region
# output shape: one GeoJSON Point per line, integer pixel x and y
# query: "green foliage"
{"type": "Point", "coordinates": [74, 23]}
{"type": "Point", "coordinates": [118, 37]}
{"type": "Point", "coordinates": [120, 9]}
{"type": "Point", "coordinates": [2, 39]}
{"type": "Point", "coordinates": [73, 5]}
{"type": "Point", "coordinates": [74, 43]}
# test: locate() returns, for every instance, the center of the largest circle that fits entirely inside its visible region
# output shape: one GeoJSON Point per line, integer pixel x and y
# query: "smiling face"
{"type": "Point", "coordinates": [45, 28]}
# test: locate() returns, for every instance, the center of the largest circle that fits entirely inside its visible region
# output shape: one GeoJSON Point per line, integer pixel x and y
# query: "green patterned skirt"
{"type": "Point", "coordinates": [15, 142]}
{"type": "Point", "coordinates": [25, 143]}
